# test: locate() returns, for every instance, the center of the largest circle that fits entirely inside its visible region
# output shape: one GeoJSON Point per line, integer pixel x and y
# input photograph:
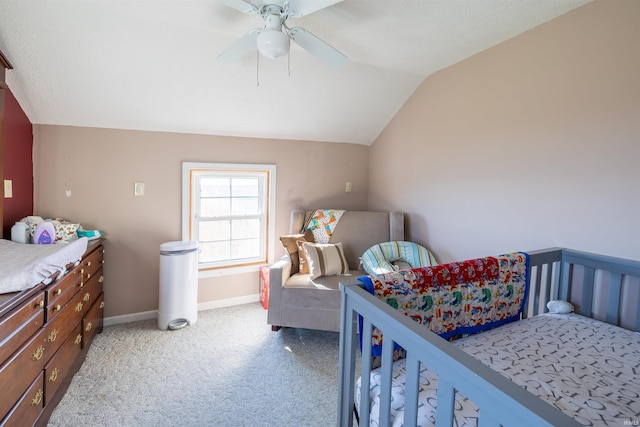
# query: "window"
{"type": "Point", "coordinates": [229, 209]}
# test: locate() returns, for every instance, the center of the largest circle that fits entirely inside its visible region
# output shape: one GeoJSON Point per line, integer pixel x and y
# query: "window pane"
{"type": "Point", "coordinates": [215, 187]}
{"type": "Point", "coordinates": [226, 208]}
{"type": "Point", "coordinates": [245, 228]}
{"type": "Point", "coordinates": [247, 206]}
{"type": "Point", "coordinates": [245, 248]}
{"type": "Point", "coordinates": [214, 251]}
{"type": "Point", "coordinates": [245, 187]}
{"type": "Point", "coordinates": [214, 231]}
{"type": "Point", "coordinates": [215, 207]}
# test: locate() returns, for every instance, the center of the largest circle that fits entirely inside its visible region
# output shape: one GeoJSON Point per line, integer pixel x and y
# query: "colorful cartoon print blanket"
{"type": "Point", "coordinates": [458, 298]}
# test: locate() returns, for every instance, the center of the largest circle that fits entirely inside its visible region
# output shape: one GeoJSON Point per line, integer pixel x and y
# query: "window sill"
{"type": "Point", "coordinates": [228, 271]}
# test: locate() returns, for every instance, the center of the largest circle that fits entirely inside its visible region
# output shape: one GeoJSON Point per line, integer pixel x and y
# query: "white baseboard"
{"type": "Point", "coordinates": [248, 299]}
{"type": "Point", "coordinates": [153, 314]}
{"type": "Point", "coordinates": [128, 318]}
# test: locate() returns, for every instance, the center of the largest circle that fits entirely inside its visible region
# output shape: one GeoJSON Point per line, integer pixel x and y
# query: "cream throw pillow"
{"type": "Point", "coordinates": [325, 259]}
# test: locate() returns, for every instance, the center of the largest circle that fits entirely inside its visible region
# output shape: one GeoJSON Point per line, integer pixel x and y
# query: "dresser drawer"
{"type": "Point", "coordinates": [61, 326]}
{"type": "Point", "coordinates": [92, 263]}
{"type": "Point", "coordinates": [92, 289]}
{"type": "Point", "coordinates": [92, 322]}
{"type": "Point", "coordinates": [21, 323]}
{"type": "Point", "coordinates": [60, 292]}
{"type": "Point", "coordinates": [61, 363]}
{"type": "Point", "coordinates": [18, 372]}
{"type": "Point", "coordinates": [28, 408]}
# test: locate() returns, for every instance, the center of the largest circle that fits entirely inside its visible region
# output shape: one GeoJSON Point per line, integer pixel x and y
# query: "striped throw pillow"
{"type": "Point", "coordinates": [325, 259]}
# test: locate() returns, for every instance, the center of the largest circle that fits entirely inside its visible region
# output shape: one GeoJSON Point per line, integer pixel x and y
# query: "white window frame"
{"type": "Point", "coordinates": [191, 171]}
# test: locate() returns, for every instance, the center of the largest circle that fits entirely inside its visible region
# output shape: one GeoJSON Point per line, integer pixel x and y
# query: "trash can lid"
{"type": "Point", "coordinates": [179, 246]}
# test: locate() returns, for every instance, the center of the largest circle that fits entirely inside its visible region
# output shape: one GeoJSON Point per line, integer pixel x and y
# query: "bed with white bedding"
{"type": "Point", "coordinates": [23, 266]}
{"type": "Point", "coordinates": [545, 370]}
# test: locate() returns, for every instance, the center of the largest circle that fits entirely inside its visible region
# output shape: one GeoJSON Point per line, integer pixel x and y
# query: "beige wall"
{"type": "Point", "coordinates": [531, 144]}
{"type": "Point", "coordinates": [100, 167]}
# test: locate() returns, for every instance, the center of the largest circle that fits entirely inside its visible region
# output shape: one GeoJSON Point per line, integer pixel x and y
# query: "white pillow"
{"type": "Point", "coordinates": [325, 259]}
{"type": "Point", "coordinates": [559, 307]}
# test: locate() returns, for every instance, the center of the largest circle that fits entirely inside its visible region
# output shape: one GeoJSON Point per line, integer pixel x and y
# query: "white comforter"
{"type": "Point", "coordinates": [23, 266]}
{"type": "Point", "coordinates": [590, 370]}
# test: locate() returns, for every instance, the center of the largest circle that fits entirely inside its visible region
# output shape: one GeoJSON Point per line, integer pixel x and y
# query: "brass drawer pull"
{"type": "Point", "coordinates": [89, 264]}
{"type": "Point", "coordinates": [86, 297]}
{"type": "Point", "coordinates": [89, 326]}
{"type": "Point", "coordinates": [79, 307]}
{"type": "Point", "coordinates": [102, 304]}
{"type": "Point", "coordinates": [78, 339]}
{"type": "Point", "coordinates": [88, 276]}
{"type": "Point", "coordinates": [37, 399]}
{"type": "Point", "coordinates": [54, 375]}
{"type": "Point", "coordinates": [101, 279]}
{"type": "Point", "coordinates": [81, 284]}
{"type": "Point", "coordinates": [57, 307]}
{"type": "Point", "coordinates": [53, 335]}
{"type": "Point", "coordinates": [37, 355]}
{"type": "Point", "coordinates": [40, 304]}
{"type": "Point", "coordinates": [81, 271]}
{"type": "Point", "coordinates": [58, 291]}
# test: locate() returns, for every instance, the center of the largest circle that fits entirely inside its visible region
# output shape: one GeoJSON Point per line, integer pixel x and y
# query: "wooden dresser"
{"type": "Point", "coordinates": [45, 333]}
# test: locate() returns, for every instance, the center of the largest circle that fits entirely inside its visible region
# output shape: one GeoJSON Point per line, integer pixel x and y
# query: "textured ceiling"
{"type": "Point", "coordinates": [151, 64]}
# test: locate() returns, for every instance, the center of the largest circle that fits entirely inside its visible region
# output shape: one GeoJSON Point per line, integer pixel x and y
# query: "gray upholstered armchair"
{"type": "Point", "coordinates": [297, 300]}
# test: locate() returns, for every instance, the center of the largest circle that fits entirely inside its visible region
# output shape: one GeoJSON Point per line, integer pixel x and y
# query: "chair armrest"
{"type": "Point", "coordinates": [279, 273]}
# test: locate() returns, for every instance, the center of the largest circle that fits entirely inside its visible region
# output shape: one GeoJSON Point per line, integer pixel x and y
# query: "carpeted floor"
{"type": "Point", "coordinates": [228, 369]}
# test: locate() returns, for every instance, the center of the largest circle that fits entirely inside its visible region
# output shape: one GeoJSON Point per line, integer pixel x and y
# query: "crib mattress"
{"type": "Point", "coordinates": [23, 266]}
{"type": "Point", "coordinates": [588, 369]}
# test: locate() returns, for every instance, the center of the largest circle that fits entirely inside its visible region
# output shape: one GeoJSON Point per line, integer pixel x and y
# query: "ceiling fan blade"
{"type": "Point", "coordinates": [318, 48]}
{"type": "Point", "coordinates": [297, 8]}
{"type": "Point", "coordinates": [241, 47]}
{"type": "Point", "coordinates": [241, 5]}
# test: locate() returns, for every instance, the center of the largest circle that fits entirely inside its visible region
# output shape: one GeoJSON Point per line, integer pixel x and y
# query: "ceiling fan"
{"type": "Point", "coordinates": [272, 41]}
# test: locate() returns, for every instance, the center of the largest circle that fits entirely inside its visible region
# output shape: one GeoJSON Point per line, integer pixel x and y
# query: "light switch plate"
{"type": "Point", "coordinates": [138, 189]}
{"type": "Point", "coordinates": [8, 188]}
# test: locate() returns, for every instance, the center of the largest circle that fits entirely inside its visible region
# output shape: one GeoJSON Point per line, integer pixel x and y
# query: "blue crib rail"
{"type": "Point", "coordinates": [602, 287]}
{"type": "Point", "coordinates": [595, 284]}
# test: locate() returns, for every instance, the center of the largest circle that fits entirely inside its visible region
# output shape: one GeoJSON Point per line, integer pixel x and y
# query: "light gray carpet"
{"type": "Point", "coordinates": [228, 369]}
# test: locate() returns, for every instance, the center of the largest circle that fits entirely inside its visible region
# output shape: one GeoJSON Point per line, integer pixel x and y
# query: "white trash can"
{"type": "Point", "coordinates": [178, 305]}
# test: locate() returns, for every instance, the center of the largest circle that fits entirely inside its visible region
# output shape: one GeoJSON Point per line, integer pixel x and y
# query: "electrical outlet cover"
{"type": "Point", "coordinates": [138, 189]}
{"type": "Point", "coordinates": [8, 188]}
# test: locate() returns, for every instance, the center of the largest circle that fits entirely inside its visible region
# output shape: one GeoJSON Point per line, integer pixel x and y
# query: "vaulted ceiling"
{"type": "Point", "coordinates": [151, 64]}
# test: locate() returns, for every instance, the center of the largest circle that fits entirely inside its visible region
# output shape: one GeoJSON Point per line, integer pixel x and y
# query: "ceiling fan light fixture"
{"type": "Point", "coordinates": [273, 43]}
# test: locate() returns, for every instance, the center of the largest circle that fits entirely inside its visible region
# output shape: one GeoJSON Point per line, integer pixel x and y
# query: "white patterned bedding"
{"type": "Point", "coordinates": [23, 266]}
{"type": "Point", "coordinates": [588, 369]}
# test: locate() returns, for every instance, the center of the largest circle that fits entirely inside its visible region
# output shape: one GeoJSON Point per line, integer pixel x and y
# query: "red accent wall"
{"type": "Point", "coordinates": [18, 163]}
